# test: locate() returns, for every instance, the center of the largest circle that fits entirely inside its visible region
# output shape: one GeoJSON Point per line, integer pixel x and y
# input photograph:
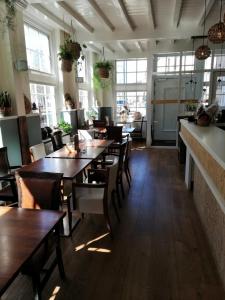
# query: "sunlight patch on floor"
{"type": "Point", "coordinates": [102, 250]}
{"type": "Point", "coordinates": [54, 293]}
{"type": "Point", "coordinates": [83, 246]}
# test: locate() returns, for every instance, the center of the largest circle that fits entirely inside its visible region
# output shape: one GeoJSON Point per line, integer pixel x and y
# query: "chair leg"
{"type": "Point", "coordinates": [108, 223]}
{"type": "Point", "coordinates": [69, 213]}
{"type": "Point", "coordinates": [118, 195]}
{"type": "Point", "coordinates": [128, 170]}
{"type": "Point", "coordinates": [127, 177]}
{"type": "Point", "coordinates": [121, 185]}
{"type": "Point", "coordinates": [36, 286]}
{"type": "Point", "coordinates": [60, 261]}
{"type": "Point", "coordinates": [114, 206]}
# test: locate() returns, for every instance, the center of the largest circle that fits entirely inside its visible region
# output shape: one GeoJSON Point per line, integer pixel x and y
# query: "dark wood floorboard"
{"type": "Point", "coordinates": [159, 251]}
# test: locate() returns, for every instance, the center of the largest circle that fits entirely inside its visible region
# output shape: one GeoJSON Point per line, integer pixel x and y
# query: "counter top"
{"type": "Point", "coordinates": [210, 137]}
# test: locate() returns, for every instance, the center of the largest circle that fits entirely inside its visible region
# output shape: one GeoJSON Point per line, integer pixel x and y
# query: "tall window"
{"type": "Point", "coordinates": [170, 63]}
{"type": "Point", "coordinates": [38, 49]}
{"type": "Point", "coordinates": [44, 98]}
{"type": "Point", "coordinates": [188, 62]}
{"type": "Point", "coordinates": [83, 99]}
{"type": "Point", "coordinates": [131, 71]}
{"type": "Point", "coordinates": [135, 101]}
{"type": "Point", "coordinates": [81, 69]}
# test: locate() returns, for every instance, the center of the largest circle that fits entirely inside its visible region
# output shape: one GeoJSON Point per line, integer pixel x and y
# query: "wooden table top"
{"type": "Point", "coordinates": [22, 232]}
{"type": "Point", "coordinates": [69, 167]}
{"type": "Point", "coordinates": [70, 153]}
{"type": "Point", "coordinates": [96, 143]}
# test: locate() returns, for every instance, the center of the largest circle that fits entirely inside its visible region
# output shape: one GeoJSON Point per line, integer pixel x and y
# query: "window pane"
{"type": "Point", "coordinates": [120, 66]}
{"type": "Point", "coordinates": [120, 78]}
{"type": "Point", "coordinates": [142, 65]}
{"type": "Point", "coordinates": [131, 77]}
{"type": "Point", "coordinates": [131, 66]}
{"type": "Point", "coordinates": [141, 77]}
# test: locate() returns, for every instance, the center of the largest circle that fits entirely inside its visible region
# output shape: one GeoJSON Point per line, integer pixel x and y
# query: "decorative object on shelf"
{"type": "Point", "coordinates": [124, 113]}
{"type": "Point", "coordinates": [34, 107]}
{"type": "Point", "coordinates": [91, 115]}
{"type": "Point", "coordinates": [5, 104]}
{"type": "Point", "coordinates": [137, 116]}
{"type": "Point", "coordinates": [27, 104]}
{"type": "Point", "coordinates": [44, 133]}
{"type": "Point", "coordinates": [216, 33]}
{"type": "Point", "coordinates": [69, 102]}
{"type": "Point", "coordinates": [66, 127]}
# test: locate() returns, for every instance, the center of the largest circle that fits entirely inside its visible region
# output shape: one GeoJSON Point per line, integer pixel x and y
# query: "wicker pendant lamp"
{"type": "Point", "coordinates": [203, 51]}
{"type": "Point", "coordinates": [216, 33]}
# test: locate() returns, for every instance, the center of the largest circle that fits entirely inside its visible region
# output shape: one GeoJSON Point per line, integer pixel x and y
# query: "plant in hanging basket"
{"type": "Point", "coordinates": [5, 104]}
{"type": "Point", "coordinates": [103, 68]}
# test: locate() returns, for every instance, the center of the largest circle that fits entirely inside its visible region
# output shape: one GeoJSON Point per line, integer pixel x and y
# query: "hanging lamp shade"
{"type": "Point", "coordinates": [202, 52]}
{"type": "Point", "coordinates": [216, 33]}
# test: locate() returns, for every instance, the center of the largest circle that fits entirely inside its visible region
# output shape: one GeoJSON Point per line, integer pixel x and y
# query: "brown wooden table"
{"type": "Point", "coordinates": [22, 231]}
{"type": "Point", "coordinates": [96, 143]}
{"type": "Point", "coordinates": [69, 167]}
{"type": "Point", "coordinates": [68, 152]}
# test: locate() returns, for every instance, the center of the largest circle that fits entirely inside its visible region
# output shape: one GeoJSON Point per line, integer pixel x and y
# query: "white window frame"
{"type": "Point", "coordinates": [126, 72]}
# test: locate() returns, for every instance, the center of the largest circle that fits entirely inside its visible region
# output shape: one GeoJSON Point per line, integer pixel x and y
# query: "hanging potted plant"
{"type": "Point", "coordinates": [65, 55]}
{"type": "Point", "coordinates": [7, 19]}
{"type": "Point", "coordinates": [103, 68]}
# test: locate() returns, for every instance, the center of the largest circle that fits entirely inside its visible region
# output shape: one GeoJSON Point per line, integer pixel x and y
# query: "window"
{"type": "Point", "coordinates": [83, 99]}
{"type": "Point", "coordinates": [168, 64]}
{"type": "Point", "coordinates": [131, 71]}
{"type": "Point", "coordinates": [135, 101]}
{"type": "Point", "coordinates": [188, 62]}
{"type": "Point", "coordinates": [44, 98]}
{"type": "Point", "coordinates": [219, 61]}
{"type": "Point", "coordinates": [81, 68]}
{"type": "Point", "coordinates": [220, 91]}
{"type": "Point", "coordinates": [38, 49]}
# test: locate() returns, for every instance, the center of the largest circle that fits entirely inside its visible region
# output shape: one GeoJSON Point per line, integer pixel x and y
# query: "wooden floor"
{"type": "Point", "coordinates": [159, 250]}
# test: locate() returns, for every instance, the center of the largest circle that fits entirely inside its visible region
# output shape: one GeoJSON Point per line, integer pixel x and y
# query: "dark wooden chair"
{"type": "Point", "coordinates": [41, 191]}
{"type": "Point", "coordinates": [8, 191]}
{"type": "Point", "coordinates": [114, 133]}
{"type": "Point", "coordinates": [56, 138]}
{"type": "Point", "coordinates": [99, 123]}
{"type": "Point", "coordinates": [137, 133]}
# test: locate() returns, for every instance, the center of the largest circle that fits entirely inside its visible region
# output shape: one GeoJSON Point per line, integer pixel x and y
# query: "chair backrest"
{"type": "Point", "coordinates": [142, 121]}
{"type": "Point", "coordinates": [37, 151]}
{"type": "Point", "coordinates": [56, 138]}
{"type": "Point", "coordinates": [4, 161]}
{"type": "Point", "coordinates": [114, 133]}
{"type": "Point", "coordinates": [113, 171]}
{"type": "Point", "coordinates": [39, 190]}
{"type": "Point", "coordinates": [99, 123]}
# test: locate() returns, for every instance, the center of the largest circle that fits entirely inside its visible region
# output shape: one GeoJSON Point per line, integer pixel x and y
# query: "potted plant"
{"type": "Point", "coordinates": [5, 104]}
{"type": "Point", "coordinates": [66, 127]}
{"type": "Point", "coordinates": [7, 20]}
{"type": "Point", "coordinates": [68, 53]}
{"type": "Point", "coordinates": [103, 68]}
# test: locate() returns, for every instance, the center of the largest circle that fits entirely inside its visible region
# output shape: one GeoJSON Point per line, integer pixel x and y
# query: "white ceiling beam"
{"type": "Point", "coordinates": [151, 14]}
{"type": "Point", "coordinates": [177, 12]}
{"type": "Point", "coordinates": [79, 18]}
{"type": "Point", "coordinates": [140, 46]}
{"type": "Point", "coordinates": [22, 3]}
{"type": "Point", "coordinates": [126, 15]}
{"type": "Point", "coordinates": [52, 17]}
{"type": "Point", "coordinates": [94, 48]}
{"type": "Point", "coordinates": [101, 14]}
{"type": "Point", "coordinates": [107, 46]}
{"type": "Point", "coordinates": [209, 6]}
{"type": "Point", "coordinates": [123, 47]}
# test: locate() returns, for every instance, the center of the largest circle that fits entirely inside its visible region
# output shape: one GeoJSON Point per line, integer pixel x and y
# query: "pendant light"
{"type": "Point", "coordinates": [216, 33]}
{"type": "Point", "coordinates": [203, 51]}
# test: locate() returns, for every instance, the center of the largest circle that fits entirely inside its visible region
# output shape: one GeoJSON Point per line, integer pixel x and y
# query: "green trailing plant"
{"type": "Point", "coordinates": [7, 18]}
{"type": "Point", "coordinates": [5, 100]}
{"type": "Point", "coordinates": [101, 78]}
{"type": "Point", "coordinates": [66, 127]}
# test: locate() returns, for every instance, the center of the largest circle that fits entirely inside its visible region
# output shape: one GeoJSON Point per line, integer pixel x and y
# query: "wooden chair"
{"type": "Point", "coordinates": [41, 191]}
{"type": "Point", "coordinates": [96, 198]}
{"type": "Point", "coordinates": [137, 133]}
{"type": "Point", "coordinates": [37, 151]}
{"type": "Point", "coordinates": [126, 161]}
{"type": "Point", "coordinates": [8, 191]}
{"type": "Point", "coordinates": [114, 133]}
{"type": "Point", "coordinates": [99, 123]}
{"type": "Point", "coordinates": [56, 138]}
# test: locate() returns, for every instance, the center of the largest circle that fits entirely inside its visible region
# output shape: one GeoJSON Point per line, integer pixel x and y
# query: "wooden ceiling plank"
{"type": "Point", "coordinates": [124, 48]}
{"type": "Point", "coordinates": [94, 48]}
{"type": "Point", "coordinates": [178, 12]}
{"type": "Point", "coordinates": [140, 46]}
{"type": "Point", "coordinates": [101, 14]}
{"type": "Point", "coordinates": [52, 17]}
{"type": "Point", "coordinates": [126, 15]}
{"type": "Point", "coordinates": [209, 6]}
{"type": "Point", "coordinates": [78, 17]}
{"type": "Point", "coordinates": [151, 14]}
{"type": "Point", "coordinates": [107, 46]}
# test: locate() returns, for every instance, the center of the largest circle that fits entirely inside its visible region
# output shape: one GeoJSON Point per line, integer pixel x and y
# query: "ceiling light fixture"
{"type": "Point", "coordinates": [216, 33]}
{"type": "Point", "coordinates": [203, 51]}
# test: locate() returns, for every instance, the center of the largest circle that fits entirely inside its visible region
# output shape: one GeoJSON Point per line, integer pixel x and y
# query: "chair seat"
{"type": "Point", "coordinates": [89, 200]}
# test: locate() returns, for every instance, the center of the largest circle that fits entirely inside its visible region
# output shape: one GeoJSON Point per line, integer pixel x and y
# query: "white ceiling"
{"type": "Point", "coordinates": [125, 27]}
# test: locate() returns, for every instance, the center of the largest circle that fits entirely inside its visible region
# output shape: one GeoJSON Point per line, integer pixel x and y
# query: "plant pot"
{"type": "Point", "coordinates": [103, 72]}
{"type": "Point", "coordinates": [2, 112]}
{"type": "Point", "coordinates": [75, 49]}
{"type": "Point", "coordinates": [66, 65]}
{"type": "Point", "coordinates": [8, 111]}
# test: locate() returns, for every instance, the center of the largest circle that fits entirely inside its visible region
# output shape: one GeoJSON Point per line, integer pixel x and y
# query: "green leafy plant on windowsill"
{"type": "Point", "coordinates": [7, 18]}
{"type": "Point", "coordinates": [66, 127]}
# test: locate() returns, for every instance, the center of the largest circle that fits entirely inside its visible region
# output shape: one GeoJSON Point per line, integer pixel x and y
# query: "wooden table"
{"type": "Point", "coordinates": [22, 231]}
{"type": "Point", "coordinates": [84, 153]}
{"type": "Point", "coordinates": [96, 143]}
{"type": "Point", "coordinates": [69, 167]}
